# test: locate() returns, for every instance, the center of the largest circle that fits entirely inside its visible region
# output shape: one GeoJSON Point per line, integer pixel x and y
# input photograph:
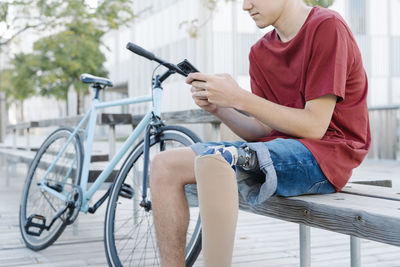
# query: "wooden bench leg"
{"type": "Point", "coordinates": [28, 143]}
{"type": "Point", "coordinates": [75, 227]}
{"type": "Point", "coordinates": [355, 251]}
{"type": "Point", "coordinates": [216, 131]}
{"type": "Point", "coordinates": [4, 168]}
{"type": "Point", "coordinates": [305, 246]}
{"type": "Point", "coordinates": [11, 170]}
{"type": "Point", "coordinates": [111, 142]}
{"type": "Point", "coordinates": [14, 138]}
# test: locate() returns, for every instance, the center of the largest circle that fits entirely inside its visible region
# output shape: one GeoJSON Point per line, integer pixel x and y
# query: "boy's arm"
{"type": "Point", "coordinates": [310, 122]}
{"type": "Point", "coordinates": [244, 126]}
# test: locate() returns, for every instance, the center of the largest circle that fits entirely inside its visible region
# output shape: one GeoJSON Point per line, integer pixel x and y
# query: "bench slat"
{"type": "Point", "coordinates": [360, 216]}
{"type": "Point", "coordinates": [372, 191]}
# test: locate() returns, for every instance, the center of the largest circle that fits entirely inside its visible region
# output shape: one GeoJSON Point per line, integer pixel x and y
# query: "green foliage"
{"type": "Point", "coordinates": [50, 14]}
{"type": "Point", "coordinates": [323, 3]}
{"type": "Point", "coordinates": [59, 59]}
{"type": "Point", "coordinates": [19, 83]}
{"type": "Point", "coordinates": [64, 56]}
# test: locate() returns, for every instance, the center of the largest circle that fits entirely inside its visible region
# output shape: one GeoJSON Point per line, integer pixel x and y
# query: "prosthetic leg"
{"type": "Point", "coordinates": [218, 200]}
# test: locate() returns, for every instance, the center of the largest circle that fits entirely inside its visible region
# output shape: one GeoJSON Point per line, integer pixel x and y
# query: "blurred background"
{"type": "Point", "coordinates": [46, 45]}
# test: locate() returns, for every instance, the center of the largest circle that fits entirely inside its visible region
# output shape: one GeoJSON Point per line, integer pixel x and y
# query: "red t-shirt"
{"type": "Point", "coordinates": [323, 58]}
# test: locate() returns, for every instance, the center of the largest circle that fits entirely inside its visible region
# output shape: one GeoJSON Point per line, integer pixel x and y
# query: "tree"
{"type": "Point", "coordinates": [64, 56]}
{"type": "Point", "coordinates": [75, 47]}
{"type": "Point", "coordinates": [19, 83]}
{"type": "Point", "coordinates": [18, 16]}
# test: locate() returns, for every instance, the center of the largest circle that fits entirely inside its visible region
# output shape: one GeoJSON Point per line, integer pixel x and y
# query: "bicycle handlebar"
{"type": "Point", "coordinates": [144, 53]}
{"type": "Point", "coordinates": [140, 51]}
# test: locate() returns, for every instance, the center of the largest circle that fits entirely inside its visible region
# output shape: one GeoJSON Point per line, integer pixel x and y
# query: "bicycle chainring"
{"type": "Point", "coordinates": [75, 198]}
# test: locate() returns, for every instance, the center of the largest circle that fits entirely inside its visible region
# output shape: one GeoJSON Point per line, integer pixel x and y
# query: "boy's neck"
{"type": "Point", "coordinates": [291, 20]}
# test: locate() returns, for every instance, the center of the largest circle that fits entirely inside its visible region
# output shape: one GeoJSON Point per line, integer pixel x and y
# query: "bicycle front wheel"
{"type": "Point", "coordinates": [38, 207]}
{"type": "Point", "coordinates": [130, 238]}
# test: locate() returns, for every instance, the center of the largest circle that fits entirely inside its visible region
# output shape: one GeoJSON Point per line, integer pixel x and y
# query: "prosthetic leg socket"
{"type": "Point", "coordinates": [218, 200]}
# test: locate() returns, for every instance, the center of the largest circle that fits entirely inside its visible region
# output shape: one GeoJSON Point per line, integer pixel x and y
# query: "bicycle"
{"type": "Point", "coordinates": [56, 187]}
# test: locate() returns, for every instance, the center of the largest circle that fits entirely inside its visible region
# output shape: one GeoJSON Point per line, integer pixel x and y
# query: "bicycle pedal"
{"type": "Point", "coordinates": [39, 224]}
{"type": "Point", "coordinates": [126, 191]}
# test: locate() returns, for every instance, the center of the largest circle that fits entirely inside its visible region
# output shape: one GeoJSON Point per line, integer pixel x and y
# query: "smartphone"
{"type": "Point", "coordinates": [186, 67]}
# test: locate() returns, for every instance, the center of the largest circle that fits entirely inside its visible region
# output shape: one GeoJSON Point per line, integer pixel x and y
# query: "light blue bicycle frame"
{"type": "Point", "coordinates": [87, 194]}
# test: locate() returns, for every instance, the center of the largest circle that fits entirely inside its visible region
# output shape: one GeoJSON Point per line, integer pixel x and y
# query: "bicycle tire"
{"type": "Point", "coordinates": [114, 252]}
{"type": "Point", "coordinates": [69, 162]}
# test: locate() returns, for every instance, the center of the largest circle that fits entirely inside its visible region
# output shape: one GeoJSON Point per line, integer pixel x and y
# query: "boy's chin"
{"type": "Point", "coordinates": [262, 25]}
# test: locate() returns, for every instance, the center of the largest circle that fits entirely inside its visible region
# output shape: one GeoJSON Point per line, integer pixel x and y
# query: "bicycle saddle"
{"type": "Point", "coordinates": [89, 78]}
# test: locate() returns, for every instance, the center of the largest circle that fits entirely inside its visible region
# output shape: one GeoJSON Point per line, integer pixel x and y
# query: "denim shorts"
{"type": "Point", "coordinates": [297, 171]}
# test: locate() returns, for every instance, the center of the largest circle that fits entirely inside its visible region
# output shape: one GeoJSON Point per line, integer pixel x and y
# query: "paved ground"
{"type": "Point", "coordinates": [260, 241]}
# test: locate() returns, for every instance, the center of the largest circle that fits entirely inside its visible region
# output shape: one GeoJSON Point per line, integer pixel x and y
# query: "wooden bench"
{"type": "Point", "coordinates": [360, 211]}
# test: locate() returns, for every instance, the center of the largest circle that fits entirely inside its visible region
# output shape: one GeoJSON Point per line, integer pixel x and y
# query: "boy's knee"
{"type": "Point", "coordinates": [158, 162]}
{"type": "Point", "coordinates": [168, 168]}
{"type": "Point", "coordinates": [160, 167]}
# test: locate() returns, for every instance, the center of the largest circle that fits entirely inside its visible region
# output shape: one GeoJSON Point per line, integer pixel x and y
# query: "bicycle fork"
{"type": "Point", "coordinates": [146, 154]}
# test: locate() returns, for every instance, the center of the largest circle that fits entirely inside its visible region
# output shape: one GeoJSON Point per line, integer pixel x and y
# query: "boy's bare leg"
{"type": "Point", "coordinates": [169, 172]}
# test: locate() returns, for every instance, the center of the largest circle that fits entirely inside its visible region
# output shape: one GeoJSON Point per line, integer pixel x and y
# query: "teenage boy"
{"type": "Point", "coordinates": [307, 109]}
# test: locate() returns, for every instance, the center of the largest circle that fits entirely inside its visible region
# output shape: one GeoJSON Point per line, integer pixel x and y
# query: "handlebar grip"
{"type": "Point", "coordinates": [140, 51]}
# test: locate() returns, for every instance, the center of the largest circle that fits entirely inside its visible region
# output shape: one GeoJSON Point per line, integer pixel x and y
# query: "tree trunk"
{"type": "Point", "coordinates": [66, 108]}
{"type": "Point", "coordinates": [3, 116]}
{"type": "Point", "coordinates": [81, 102]}
{"type": "Point", "coordinates": [21, 103]}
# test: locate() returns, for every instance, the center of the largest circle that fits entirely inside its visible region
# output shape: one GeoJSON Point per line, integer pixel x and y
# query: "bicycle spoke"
{"type": "Point", "coordinates": [155, 246]}
{"type": "Point", "coordinates": [48, 201]}
{"type": "Point", "coordinates": [128, 239]}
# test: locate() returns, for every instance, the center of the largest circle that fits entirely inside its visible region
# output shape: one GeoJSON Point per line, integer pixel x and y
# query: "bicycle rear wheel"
{"type": "Point", "coordinates": [63, 178]}
{"type": "Point", "coordinates": [130, 238]}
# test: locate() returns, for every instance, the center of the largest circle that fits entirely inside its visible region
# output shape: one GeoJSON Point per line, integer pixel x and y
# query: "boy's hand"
{"type": "Point", "coordinates": [219, 89]}
{"type": "Point", "coordinates": [200, 98]}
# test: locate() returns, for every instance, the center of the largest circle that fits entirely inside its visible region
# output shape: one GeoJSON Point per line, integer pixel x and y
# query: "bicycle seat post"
{"type": "Point", "coordinates": [97, 89]}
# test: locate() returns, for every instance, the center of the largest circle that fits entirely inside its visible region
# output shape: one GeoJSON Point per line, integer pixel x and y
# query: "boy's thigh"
{"type": "Point", "coordinates": [297, 170]}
